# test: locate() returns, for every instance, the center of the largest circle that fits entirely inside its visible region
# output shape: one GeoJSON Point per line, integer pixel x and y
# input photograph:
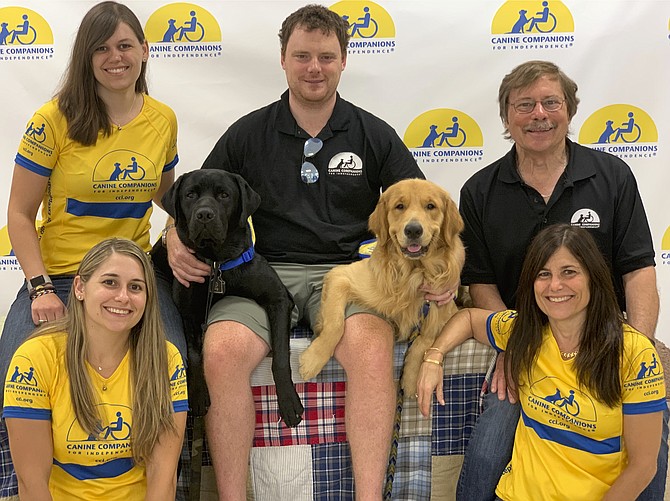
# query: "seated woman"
{"type": "Point", "coordinates": [590, 425]}
{"type": "Point", "coordinates": [95, 402]}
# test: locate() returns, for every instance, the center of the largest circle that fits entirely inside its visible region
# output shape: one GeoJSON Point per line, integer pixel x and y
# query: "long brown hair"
{"type": "Point", "coordinates": [150, 387]}
{"type": "Point", "coordinates": [78, 99]}
{"type": "Point", "coordinates": [601, 345]}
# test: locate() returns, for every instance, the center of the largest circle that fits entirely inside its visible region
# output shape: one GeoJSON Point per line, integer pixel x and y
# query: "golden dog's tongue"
{"type": "Point", "coordinates": [414, 248]}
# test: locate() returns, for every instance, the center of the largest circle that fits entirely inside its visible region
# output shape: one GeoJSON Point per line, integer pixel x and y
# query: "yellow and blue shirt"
{"type": "Point", "coordinates": [98, 191]}
{"type": "Point", "coordinates": [84, 466]}
{"type": "Point", "coordinates": [568, 445]}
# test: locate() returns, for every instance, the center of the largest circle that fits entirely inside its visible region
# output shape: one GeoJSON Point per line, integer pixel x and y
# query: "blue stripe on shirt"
{"type": "Point", "coordinates": [571, 438]}
{"type": "Point", "coordinates": [645, 407]}
{"type": "Point", "coordinates": [32, 166]}
{"type": "Point", "coordinates": [112, 210]}
{"type": "Point", "coordinates": [13, 411]}
{"type": "Point", "coordinates": [489, 334]}
{"type": "Point", "coordinates": [110, 469]}
{"type": "Point", "coordinates": [169, 166]}
{"type": "Point", "coordinates": [180, 405]}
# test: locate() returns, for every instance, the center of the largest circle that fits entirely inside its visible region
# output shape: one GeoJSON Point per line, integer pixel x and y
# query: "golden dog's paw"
{"type": "Point", "coordinates": [311, 363]}
{"type": "Point", "coordinates": [408, 383]}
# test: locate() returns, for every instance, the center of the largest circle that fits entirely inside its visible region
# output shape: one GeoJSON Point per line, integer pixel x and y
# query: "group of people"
{"type": "Point", "coordinates": [109, 336]}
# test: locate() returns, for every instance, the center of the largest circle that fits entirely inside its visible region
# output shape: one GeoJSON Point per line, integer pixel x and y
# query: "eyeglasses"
{"type": "Point", "coordinates": [550, 104]}
{"type": "Point", "coordinates": [308, 171]}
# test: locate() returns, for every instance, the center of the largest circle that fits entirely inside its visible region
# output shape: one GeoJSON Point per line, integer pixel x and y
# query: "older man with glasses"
{"type": "Point", "coordinates": [319, 164]}
{"type": "Point", "coordinates": [545, 179]}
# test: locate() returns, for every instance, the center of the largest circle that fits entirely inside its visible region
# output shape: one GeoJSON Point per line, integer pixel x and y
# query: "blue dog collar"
{"type": "Point", "coordinates": [246, 256]}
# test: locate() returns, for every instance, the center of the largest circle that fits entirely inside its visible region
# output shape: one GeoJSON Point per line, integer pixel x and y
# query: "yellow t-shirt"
{"type": "Point", "coordinates": [568, 445]}
{"type": "Point", "coordinates": [101, 191]}
{"type": "Point", "coordinates": [84, 467]}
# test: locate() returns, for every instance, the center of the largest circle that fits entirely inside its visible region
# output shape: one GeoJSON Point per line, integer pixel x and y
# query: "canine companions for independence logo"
{"type": "Point", "coordinates": [123, 171]}
{"type": "Point", "coordinates": [24, 35]}
{"type": "Point", "coordinates": [444, 135]}
{"type": "Point", "coordinates": [521, 25]}
{"type": "Point", "coordinates": [183, 30]}
{"type": "Point", "coordinates": [665, 247]}
{"type": "Point", "coordinates": [623, 130]}
{"type": "Point", "coordinates": [568, 406]}
{"type": "Point", "coordinates": [372, 29]}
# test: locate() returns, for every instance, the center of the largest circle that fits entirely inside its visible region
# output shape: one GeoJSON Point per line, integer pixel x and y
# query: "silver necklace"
{"type": "Point", "coordinates": [118, 124]}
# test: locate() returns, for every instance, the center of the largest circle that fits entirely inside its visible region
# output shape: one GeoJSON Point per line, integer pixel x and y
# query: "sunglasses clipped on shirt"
{"type": "Point", "coordinates": [308, 171]}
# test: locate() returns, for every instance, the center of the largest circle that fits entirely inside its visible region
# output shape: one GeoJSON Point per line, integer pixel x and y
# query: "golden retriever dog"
{"type": "Point", "coordinates": [417, 225]}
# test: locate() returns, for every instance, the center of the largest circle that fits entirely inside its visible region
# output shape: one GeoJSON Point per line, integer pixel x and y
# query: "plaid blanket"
{"type": "Point", "coordinates": [313, 462]}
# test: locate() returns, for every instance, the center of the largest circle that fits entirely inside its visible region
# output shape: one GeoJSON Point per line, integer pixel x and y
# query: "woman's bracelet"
{"type": "Point", "coordinates": [436, 362]}
{"type": "Point", "coordinates": [41, 291]}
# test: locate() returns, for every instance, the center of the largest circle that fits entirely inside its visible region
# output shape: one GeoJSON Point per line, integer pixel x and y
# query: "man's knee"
{"type": "Point", "coordinates": [230, 347]}
{"type": "Point", "coordinates": [367, 342]}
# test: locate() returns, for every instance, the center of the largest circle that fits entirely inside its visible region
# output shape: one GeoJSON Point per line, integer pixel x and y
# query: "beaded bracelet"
{"type": "Point", "coordinates": [42, 292]}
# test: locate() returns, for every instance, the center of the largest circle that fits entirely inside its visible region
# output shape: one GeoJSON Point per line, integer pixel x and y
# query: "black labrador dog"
{"type": "Point", "coordinates": [211, 208]}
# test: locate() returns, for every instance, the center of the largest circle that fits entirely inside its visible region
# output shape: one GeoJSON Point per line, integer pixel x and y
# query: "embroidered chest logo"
{"type": "Point", "coordinates": [345, 164]}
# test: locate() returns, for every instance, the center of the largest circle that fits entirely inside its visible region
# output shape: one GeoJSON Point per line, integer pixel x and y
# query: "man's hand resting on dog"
{"type": "Point", "coordinates": [185, 266]}
{"type": "Point", "coordinates": [441, 297]}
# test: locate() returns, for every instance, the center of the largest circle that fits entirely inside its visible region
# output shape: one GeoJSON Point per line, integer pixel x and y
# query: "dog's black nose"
{"type": "Point", "coordinates": [413, 230]}
{"type": "Point", "coordinates": [204, 214]}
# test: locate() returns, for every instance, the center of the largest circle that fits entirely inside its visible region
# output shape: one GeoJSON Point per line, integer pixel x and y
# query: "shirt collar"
{"type": "Point", "coordinates": [285, 122]}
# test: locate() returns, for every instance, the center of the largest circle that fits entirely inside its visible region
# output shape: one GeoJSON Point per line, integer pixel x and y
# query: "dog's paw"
{"type": "Point", "coordinates": [408, 383]}
{"type": "Point", "coordinates": [290, 406]}
{"type": "Point", "coordinates": [311, 363]}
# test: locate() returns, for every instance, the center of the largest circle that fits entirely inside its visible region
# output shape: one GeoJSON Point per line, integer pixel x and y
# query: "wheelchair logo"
{"type": "Point", "coordinates": [547, 16]}
{"type": "Point", "coordinates": [21, 26]}
{"type": "Point", "coordinates": [177, 24]}
{"type": "Point", "coordinates": [24, 377]}
{"type": "Point", "coordinates": [345, 164]}
{"type": "Point", "coordinates": [585, 218]}
{"type": "Point", "coordinates": [179, 372]}
{"type": "Point", "coordinates": [433, 132]}
{"type": "Point", "coordinates": [114, 426]}
{"type": "Point", "coordinates": [367, 21]}
{"type": "Point", "coordinates": [621, 129]}
{"type": "Point", "coordinates": [645, 366]}
{"type": "Point", "coordinates": [551, 395]}
{"type": "Point", "coordinates": [124, 165]}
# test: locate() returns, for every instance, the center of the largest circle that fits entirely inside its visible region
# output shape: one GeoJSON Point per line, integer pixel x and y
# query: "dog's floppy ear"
{"type": "Point", "coordinates": [452, 224]}
{"type": "Point", "coordinates": [378, 222]}
{"type": "Point", "coordinates": [170, 198]}
{"type": "Point", "coordinates": [249, 200]}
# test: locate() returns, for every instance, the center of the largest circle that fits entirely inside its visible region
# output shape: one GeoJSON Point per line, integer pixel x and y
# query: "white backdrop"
{"type": "Point", "coordinates": [417, 63]}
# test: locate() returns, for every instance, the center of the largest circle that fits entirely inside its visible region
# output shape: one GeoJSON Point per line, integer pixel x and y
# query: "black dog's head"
{"type": "Point", "coordinates": [210, 208]}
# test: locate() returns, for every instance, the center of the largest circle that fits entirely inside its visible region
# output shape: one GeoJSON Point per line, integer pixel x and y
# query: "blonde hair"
{"type": "Point", "coordinates": [150, 386]}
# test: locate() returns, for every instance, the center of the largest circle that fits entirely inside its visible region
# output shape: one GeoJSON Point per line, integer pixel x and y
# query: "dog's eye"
{"type": "Point", "coordinates": [430, 206]}
{"type": "Point", "coordinates": [191, 194]}
{"type": "Point", "coordinates": [400, 206]}
{"type": "Point", "coordinates": [221, 195]}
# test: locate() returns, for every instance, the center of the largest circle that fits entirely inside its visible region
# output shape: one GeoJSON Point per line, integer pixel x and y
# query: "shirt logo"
{"type": "Point", "coordinates": [345, 164]}
{"type": "Point", "coordinates": [585, 218]}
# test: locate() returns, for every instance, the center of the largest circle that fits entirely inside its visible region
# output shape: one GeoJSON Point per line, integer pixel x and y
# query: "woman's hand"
{"type": "Point", "coordinates": [185, 266]}
{"type": "Point", "coordinates": [46, 308]}
{"type": "Point", "coordinates": [431, 377]}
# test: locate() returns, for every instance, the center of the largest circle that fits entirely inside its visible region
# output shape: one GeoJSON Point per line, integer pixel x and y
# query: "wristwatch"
{"type": "Point", "coordinates": [38, 280]}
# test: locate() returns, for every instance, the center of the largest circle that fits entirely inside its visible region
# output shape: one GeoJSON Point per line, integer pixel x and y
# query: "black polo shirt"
{"type": "Point", "coordinates": [597, 191]}
{"type": "Point", "coordinates": [323, 222]}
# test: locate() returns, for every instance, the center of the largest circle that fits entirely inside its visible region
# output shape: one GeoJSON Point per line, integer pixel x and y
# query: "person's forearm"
{"type": "Point", "coordinates": [34, 490]}
{"type": "Point", "coordinates": [465, 324]}
{"type": "Point", "coordinates": [25, 244]}
{"type": "Point", "coordinates": [642, 302]}
{"type": "Point", "coordinates": [632, 481]}
{"type": "Point", "coordinates": [161, 488]}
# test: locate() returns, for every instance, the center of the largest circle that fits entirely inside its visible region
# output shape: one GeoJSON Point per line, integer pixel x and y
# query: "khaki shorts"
{"type": "Point", "coordinates": [304, 282]}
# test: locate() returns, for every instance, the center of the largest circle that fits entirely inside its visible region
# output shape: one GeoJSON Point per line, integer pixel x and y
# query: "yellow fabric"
{"type": "Point", "coordinates": [100, 191]}
{"type": "Point", "coordinates": [571, 447]}
{"type": "Point", "coordinates": [37, 387]}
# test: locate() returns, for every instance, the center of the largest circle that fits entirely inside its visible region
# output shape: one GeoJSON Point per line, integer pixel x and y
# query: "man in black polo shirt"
{"type": "Point", "coordinates": [318, 163]}
{"type": "Point", "coordinates": [547, 179]}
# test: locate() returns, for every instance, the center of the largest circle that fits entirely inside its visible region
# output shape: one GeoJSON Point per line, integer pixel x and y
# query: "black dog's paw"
{"type": "Point", "coordinates": [290, 406]}
{"type": "Point", "coordinates": [198, 399]}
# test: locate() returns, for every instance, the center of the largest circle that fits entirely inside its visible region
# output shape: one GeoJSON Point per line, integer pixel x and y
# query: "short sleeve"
{"type": "Point", "coordinates": [29, 381]}
{"type": "Point", "coordinates": [499, 327]}
{"type": "Point", "coordinates": [171, 157]}
{"type": "Point", "coordinates": [643, 377]}
{"type": "Point", "coordinates": [177, 371]}
{"type": "Point", "coordinates": [39, 147]}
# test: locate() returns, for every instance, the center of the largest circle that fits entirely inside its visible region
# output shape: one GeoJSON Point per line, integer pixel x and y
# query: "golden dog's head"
{"type": "Point", "coordinates": [416, 216]}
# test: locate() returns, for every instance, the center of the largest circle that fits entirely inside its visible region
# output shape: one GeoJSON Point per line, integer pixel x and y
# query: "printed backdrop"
{"type": "Point", "coordinates": [429, 68]}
